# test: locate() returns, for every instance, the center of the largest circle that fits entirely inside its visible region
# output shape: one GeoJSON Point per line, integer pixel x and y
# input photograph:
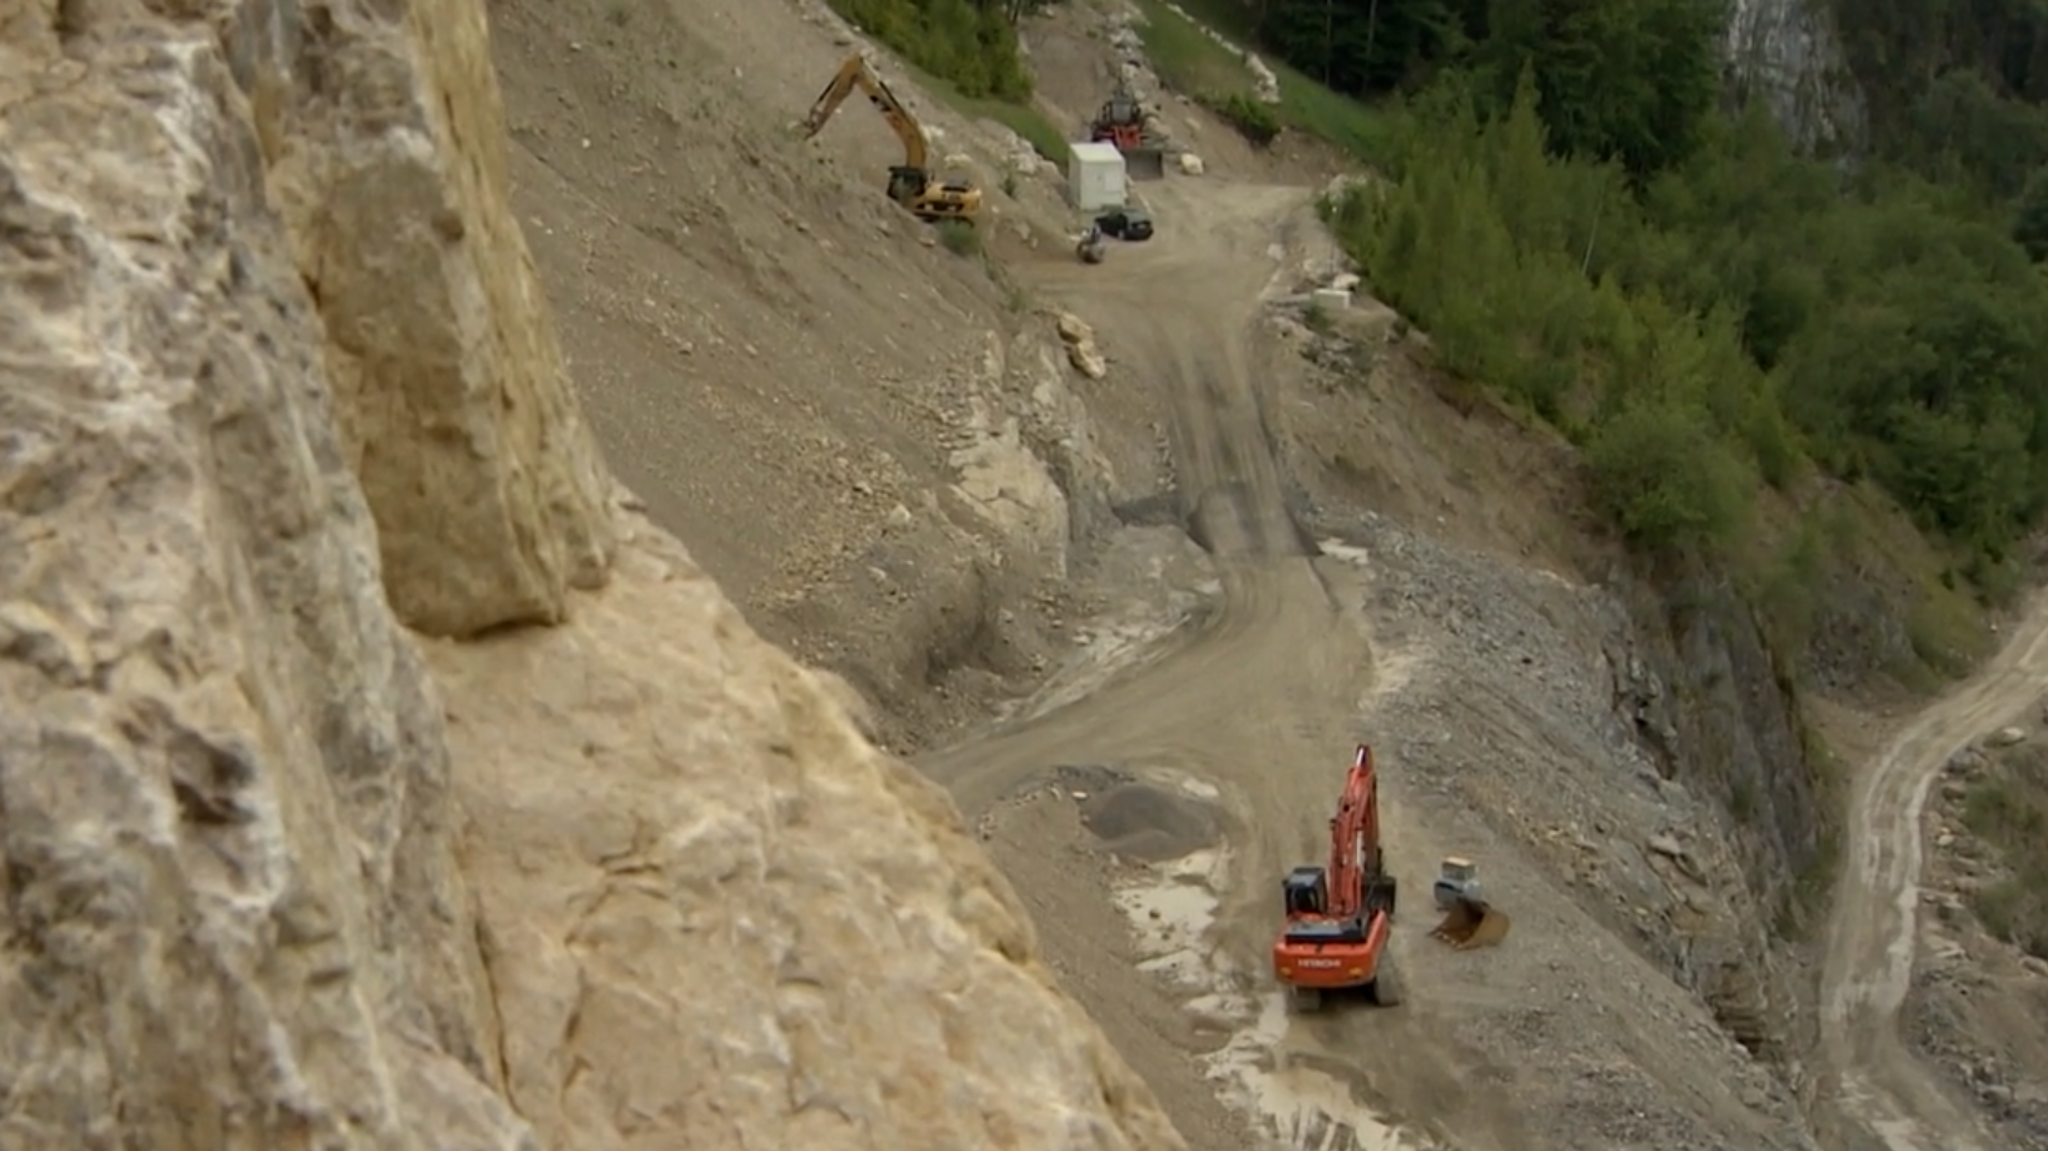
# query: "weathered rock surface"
{"type": "Point", "coordinates": [1082, 351]}
{"type": "Point", "coordinates": [224, 807]}
{"type": "Point", "coordinates": [1788, 54]}
{"type": "Point", "coordinates": [441, 352]}
{"type": "Point", "coordinates": [662, 893]}
{"type": "Point", "coordinates": [693, 871]}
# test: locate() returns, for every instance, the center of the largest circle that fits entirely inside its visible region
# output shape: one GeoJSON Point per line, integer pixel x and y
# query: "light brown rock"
{"type": "Point", "coordinates": [441, 349]}
{"type": "Point", "coordinates": [1081, 350]}
{"type": "Point", "coordinates": [224, 806]}
{"type": "Point", "coordinates": [697, 878]}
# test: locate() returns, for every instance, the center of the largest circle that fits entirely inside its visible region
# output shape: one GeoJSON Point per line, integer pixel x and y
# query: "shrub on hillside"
{"type": "Point", "coordinates": [959, 237]}
{"type": "Point", "coordinates": [1666, 478]}
{"type": "Point", "coordinates": [971, 46]}
{"type": "Point", "coordinates": [1253, 120]}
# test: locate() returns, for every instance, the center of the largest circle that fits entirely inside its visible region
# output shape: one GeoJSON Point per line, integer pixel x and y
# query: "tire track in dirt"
{"type": "Point", "coordinates": [1881, 1096]}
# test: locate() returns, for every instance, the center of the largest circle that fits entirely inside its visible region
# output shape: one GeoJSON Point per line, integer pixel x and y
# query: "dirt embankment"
{"type": "Point", "coordinates": [1246, 546]}
{"type": "Point", "coordinates": [877, 446]}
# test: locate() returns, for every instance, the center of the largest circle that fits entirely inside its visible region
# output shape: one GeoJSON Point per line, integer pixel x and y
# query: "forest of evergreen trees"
{"type": "Point", "coordinates": [1582, 220]}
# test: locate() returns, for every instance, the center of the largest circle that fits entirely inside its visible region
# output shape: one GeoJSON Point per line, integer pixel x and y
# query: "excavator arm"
{"type": "Point", "coordinates": [855, 73]}
{"type": "Point", "coordinates": [1355, 836]}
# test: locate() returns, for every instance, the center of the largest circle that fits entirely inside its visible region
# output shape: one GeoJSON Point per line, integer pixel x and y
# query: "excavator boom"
{"type": "Point", "coordinates": [910, 183]}
{"type": "Point", "coordinates": [1339, 916]}
{"type": "Point", "coordinates": [856, 73]}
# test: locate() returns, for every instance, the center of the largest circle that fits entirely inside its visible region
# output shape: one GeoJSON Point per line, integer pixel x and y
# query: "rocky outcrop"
{"type": "Point", "coordinates": [692, 871]}
{"type": "Point", "coordinates": [1700, 687]}
{"type": "Point", "coordinates": [233, 915]}
{"type": "Point", "coordinates": [391, 179]}
{"type": "Point", "coordinates": [1788, 54]}
{"type": "Point", "coordinates": [277, 379]}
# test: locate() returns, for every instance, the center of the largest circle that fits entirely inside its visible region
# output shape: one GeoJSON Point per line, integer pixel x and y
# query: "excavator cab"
{"type": "Point", "coordinates": [1306, 891]}
{"type": "Point", "coordinates": [907, 185]}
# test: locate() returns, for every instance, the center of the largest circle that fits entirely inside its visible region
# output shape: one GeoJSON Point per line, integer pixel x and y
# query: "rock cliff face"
{"type": "Point", "coordinates": [276, 378]}
{"type": "Point", "coordinates": [1787, 53]}
{"type": "Point", "coordinates": [385, 144]}
{"type": "Point", "coordinates": [1705, 696]}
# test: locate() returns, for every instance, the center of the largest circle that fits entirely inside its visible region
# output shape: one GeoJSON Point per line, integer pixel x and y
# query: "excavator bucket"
{"type": "Point", "coordinates": [1472, 923]}
{"type": "Point", "coordinates": [1145, 162]}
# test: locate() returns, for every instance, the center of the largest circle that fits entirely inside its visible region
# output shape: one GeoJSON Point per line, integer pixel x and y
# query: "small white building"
{"type": "Point", "coordinates": [1095, 176]}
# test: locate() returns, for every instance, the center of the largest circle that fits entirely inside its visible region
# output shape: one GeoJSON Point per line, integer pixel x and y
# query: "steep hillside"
{"type": "Point", "coordinates": [603, 869]}
{"type": "Point", "coordinates": [377, 771]}
{"type": "Point", "coordinates": [1621, 750]}
{"type": "Point", "coordinates": [876, 446]}
{"type": "Point", "coordinates": [1472, 521]}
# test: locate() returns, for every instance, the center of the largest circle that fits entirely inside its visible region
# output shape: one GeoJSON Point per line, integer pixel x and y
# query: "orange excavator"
{"type": "Point", "coordinates": [1339, 917]}
{"type": "Point", "coordinates": [1121, 123]}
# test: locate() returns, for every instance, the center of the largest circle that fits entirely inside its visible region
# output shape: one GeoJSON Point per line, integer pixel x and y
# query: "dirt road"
{"type": "Point", "coordinates": [1252, 706]}
{"type": "Point", "coordinates": [1255, 704]}
{"type": "Point", "coordinates": [1883, 1097]}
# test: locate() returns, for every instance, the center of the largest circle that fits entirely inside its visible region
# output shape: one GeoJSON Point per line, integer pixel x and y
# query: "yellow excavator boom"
{"type": "Point", "coordinates": [910, 182]}
{"type": "Point", "coordinates": [856, 73]}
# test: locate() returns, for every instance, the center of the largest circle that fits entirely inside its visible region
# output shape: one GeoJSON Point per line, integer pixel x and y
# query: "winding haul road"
{"type": "Point", "coordinates": [1267, 682]}
{"type": "Point", "coordinates": [1274, 676]}
{"type": "Point", "coordinates": [1883, 1098]}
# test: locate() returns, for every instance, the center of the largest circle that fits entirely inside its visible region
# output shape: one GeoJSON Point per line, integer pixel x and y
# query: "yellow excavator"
{"type": "Point", "coordinates": [910, 185]}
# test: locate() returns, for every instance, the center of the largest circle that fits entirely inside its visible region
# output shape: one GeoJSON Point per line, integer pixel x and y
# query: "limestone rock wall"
{"type": "Point", "coordinates": [695, 878]}
{"type": "Point", "coordinates": [274, 377]}
{"type": "Point", "coordinates": [384, 136]}
{"type": "Point", "coordinates": [1789, 55]}
{"type": "Point", "coordinates": [224, 788]}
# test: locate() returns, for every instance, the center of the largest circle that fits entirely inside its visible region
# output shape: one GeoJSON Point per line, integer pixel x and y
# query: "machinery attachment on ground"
{"type": "Point", "coordinates": [1091, 245]}
{"type": "Point", "coordinates": [1469, 921]}
{"type": "Point", "coordinates": [1340, 916]}
{"type": "Point", "coordinates": [1121, 122]}
{"type": "Point", "coordinates": [910, 183]}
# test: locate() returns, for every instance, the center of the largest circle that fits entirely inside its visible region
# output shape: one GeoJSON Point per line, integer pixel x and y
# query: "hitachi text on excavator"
{"type": "Point", "coordinates": [1340, 916]}
{"type": "Point", "coordinates": [910, 184]}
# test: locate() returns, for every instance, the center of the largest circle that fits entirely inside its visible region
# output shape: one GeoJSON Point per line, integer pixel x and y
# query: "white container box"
{"type": "Point", "coordinates": [1095, 176]}
{"type": "Point", "coordinates": [1337, 298]}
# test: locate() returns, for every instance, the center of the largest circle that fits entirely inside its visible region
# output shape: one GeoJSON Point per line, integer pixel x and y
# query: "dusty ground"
{"type": "Point", "coordinates": [1269, 544]}
{"type": "Point", "coordinates": [796, 378]}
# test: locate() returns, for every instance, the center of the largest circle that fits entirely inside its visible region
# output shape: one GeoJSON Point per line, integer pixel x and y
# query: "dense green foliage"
{"type": "Point", "coordinates": [1577, 223]}
{"type": "Point", "coordinates": [1731, 318]}
{"type": "Point", "coordinates": [1630, 79]}
{"type": "Point", "coordinates": [971, 44]}
{"type": "Point", "coordinates": [1255, 121]}
{"type": "Point", "coordinates": [1955, 87]}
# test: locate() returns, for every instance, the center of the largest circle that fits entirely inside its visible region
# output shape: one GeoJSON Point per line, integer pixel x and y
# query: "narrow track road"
{"type": "Point", "coordinates": [1880, 1096]}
